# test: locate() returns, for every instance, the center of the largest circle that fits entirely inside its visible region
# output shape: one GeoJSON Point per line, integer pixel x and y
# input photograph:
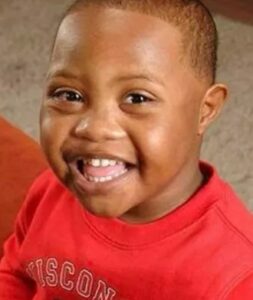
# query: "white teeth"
{"type": "Point", "coordinates": [113, 162]}
{"type": "Point", "coordinates": [103, 162]}
{"type": "Point", "coordinates": [104, 178]}
{"type": "Point", "coordinates": [95, 162]}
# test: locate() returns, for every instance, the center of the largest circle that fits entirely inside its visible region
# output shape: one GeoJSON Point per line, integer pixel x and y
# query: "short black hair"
{"type": "Point", "coordinates": [194, 20]}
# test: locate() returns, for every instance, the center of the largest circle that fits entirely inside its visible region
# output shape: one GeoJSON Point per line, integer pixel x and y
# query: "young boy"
{"type": "Point", "coordinates": [129, 212]}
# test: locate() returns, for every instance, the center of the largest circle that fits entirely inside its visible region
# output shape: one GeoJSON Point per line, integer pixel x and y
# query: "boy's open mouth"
{"type": "Point", "coordinates": [101, 169]}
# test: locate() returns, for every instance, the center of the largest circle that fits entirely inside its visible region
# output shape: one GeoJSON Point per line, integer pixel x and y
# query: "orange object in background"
{"type": "Point", "coordinates": [20, 162]}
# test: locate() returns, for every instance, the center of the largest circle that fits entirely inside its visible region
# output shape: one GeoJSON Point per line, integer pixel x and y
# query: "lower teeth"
{"type": "Point", "coordinates": [104, 178]}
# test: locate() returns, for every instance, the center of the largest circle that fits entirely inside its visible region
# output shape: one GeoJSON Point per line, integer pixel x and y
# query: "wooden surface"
{"type": "Point", "coordinates": [241, 10]}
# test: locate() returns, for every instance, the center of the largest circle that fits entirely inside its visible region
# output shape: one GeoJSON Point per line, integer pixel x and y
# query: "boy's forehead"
{"type": "Point", "coordinates": [95, 20]}
{"type": "Point", "coordinates": [116, 29]}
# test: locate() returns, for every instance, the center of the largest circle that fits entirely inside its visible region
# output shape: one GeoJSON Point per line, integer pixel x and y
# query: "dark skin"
{"type": "Point", "coordinates": [118, 88]}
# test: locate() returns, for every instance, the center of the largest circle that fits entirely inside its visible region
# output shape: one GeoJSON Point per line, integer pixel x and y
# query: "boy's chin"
{"type": "Point", "coordinates": [102, 210]}
{"type": "Point", "coordinates": [103, 214]}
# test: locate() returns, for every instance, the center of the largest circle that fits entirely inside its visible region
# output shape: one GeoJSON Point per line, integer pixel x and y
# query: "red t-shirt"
{"type": "Point", "coordinates": [201, 250]}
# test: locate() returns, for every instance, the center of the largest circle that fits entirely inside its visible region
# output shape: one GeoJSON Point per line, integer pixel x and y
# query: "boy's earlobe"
{"type": "Point", "coordinates": [211, 105]}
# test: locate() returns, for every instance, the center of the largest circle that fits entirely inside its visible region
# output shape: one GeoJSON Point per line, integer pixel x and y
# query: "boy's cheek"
{"type": "Point", "coordinates": [54, 127]}
{"type": "Point", "coordinates": [53, 134]}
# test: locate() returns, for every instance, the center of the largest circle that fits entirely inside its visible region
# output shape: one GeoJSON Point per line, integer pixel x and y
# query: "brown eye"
{"type": "Point", "coordinates": [136, 98]}
{"type": "Point", "coordinates": [67, 95]}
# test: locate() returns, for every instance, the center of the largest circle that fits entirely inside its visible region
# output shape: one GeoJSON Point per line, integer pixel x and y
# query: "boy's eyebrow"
{"type": "Point", "coordinates": [59, 73]}
{"type": "Point", "coordinates": [143, 76]}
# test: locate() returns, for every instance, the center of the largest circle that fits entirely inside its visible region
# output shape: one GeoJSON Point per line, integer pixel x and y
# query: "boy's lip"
{"type": "Point", "coordinates": [83, 185]}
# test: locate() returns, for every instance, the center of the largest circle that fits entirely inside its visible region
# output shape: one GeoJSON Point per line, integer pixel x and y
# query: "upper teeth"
{"type": "Point", "coordinates": [97, 162]}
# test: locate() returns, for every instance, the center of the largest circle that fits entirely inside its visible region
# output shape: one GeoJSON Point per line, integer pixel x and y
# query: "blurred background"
{"type": "Point", "coordinates": [27, 30]}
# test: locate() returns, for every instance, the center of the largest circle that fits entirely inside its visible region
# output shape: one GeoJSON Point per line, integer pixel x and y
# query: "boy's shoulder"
{"type": "Point", "coordinates": [221, 239]}
{"type": "Point", "coordinates": [46, 179]}
{"type": "Point", "coordinates": [234, 214]}
{"type": "Point", "coordinates": [45, 187]}
{"type": "Point", "coordinates": [228, 216]}
{"type": "Point", "coordinates": [228, 206]}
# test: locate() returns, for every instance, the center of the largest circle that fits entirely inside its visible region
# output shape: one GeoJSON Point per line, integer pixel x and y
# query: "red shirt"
{"type": "Point", "coordinates": [201, 250]}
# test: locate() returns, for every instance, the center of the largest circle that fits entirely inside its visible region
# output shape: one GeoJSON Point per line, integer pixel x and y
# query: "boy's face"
{"type": "Point", "coordinates": [120, 117]}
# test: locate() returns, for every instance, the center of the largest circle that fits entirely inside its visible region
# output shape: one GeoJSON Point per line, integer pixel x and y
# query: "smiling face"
{"type": "Point", "coordinates": [120, 121]}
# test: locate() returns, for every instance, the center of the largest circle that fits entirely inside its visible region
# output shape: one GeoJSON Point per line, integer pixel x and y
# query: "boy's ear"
{"type": "Point", "coordinates": [211, 105]}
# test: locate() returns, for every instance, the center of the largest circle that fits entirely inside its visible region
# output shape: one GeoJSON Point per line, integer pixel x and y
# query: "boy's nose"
{"type": "Point", "coordinates": [99, 127]}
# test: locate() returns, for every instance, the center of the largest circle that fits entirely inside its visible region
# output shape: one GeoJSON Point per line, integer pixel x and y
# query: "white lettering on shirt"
{"type": "Point", "coordinates": [84, 284]}
{"type": "Point", "coordinates": [67, 270]}
{"type": "Point", "coordinates": [50, 272]}
{"type": "Point", "coordinates": [103, 292]}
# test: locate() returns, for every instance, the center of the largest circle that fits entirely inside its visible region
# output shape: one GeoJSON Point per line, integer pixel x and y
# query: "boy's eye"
{"type": "Point", "coordinates": [67, 95]}
{"type": "Point", "coordinates": [136, 98]}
